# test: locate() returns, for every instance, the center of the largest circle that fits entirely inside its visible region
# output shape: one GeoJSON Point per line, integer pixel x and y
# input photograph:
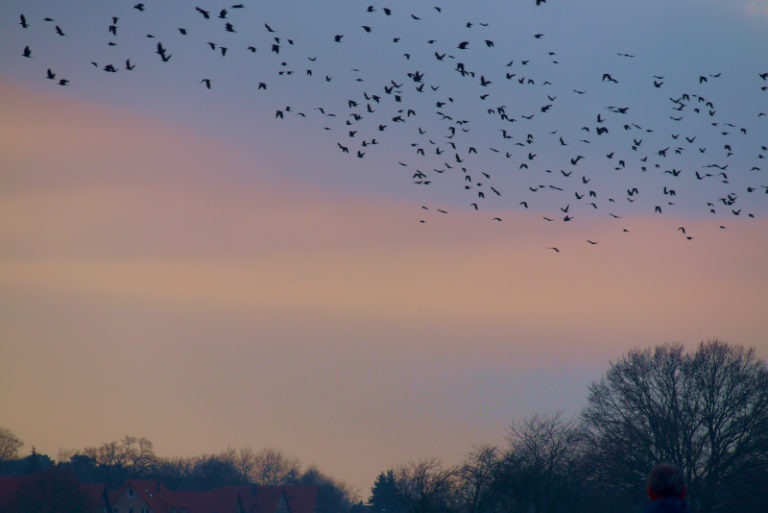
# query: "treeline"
{"type": "Point", "coordinates": [705, 411]}
{"type": "Point", "coordinates": [112, 463]}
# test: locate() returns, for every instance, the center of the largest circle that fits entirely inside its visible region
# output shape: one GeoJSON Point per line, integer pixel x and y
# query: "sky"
{"type": "Point", "coordinates": [179, 263]}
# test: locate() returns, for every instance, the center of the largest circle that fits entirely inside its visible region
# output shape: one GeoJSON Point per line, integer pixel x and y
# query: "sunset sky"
{"type": "Point", "coordinates": [178, 264]}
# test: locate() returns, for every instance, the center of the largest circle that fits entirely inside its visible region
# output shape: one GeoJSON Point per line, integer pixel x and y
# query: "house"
{"type": "Point", "coordinates": [150, 496]}
{"type": "Point", "coordinates": [283, 499]}
{"type": "Point", "coordinates": [144, 496]}
{"type": "Point", "coordinates": [97, 499]}
{"type": "Point", "coordinates": [219, 500]}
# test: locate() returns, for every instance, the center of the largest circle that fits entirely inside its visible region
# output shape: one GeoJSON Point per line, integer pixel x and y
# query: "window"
{"type": "Point", "coordinates": [130, 492]}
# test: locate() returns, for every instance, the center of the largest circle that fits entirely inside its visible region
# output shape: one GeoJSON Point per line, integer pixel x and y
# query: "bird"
{"type": "Point", "coordinates": [455, 128]}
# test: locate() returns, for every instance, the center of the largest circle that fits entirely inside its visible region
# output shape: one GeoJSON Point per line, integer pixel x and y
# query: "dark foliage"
{"type": "Point", "coordinates": [56, 490]}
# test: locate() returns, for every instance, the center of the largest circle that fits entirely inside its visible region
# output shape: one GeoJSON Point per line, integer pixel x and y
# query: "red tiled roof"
{"type": "Point", "coordinates": [299, 499]}
{"type": "Point", "coordinates": [230, 499]}
{"type": "Point", "coordinates": [252, 499]}
{"type": "Point", "coordinates": [95, 494]}
{"type": "Point", "coordinates": [153, 493]}
{"type": "Point", "coordinates": [219, 500]}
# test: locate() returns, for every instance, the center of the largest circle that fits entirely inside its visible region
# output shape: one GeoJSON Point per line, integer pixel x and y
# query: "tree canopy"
{"type": "Point", "coordinates": [707, 412]}
{"type": "Point", "coordinates": [9, 444]}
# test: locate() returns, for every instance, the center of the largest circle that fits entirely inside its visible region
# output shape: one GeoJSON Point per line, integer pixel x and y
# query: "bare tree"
{"type": "Point", "coordinates": [144, 455]}
{"type": "Point", "coordinates": [112, 454]}
{"type": "Point", "coordinates": [271, 467]}
{"type": "Point", "coordinates": [174, 472]}
{"type": "Point", "coordinates": [475, 479]}
{"type": "Point", "coordinates": [538, 473]}
{"type": "Point", "coordinates": [706, 412]}
{"type": "Point", "coordinates": [426, 486]}
{"type": "Point", "coordinates": [547, 442]}
{"type": "Point", "coordinates": [245, 461]}
{"type": "Point", "coordinates": [9, 444]}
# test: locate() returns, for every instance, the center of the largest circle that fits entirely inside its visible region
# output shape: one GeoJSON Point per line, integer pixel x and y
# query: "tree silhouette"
{"type": "Point", "coordinates": [9, 444]}
{"type": "Point", "coordinates": [707, 412]}
{"type": "Point", "coordinates": [476, 478]}
{"type": "Point", "coordinates": [540, 473]}
{"type": "Point", "coordinates": [385, 497]}
{"type": "Point", "coordinates": [426, 486]}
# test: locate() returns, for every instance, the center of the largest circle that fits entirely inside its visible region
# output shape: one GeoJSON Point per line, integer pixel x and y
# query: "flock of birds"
{"type": "Point", "coordinates": [521, 151]}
